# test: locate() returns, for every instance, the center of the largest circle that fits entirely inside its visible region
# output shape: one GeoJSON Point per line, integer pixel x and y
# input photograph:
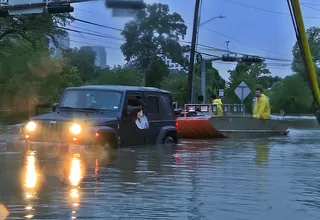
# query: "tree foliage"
{"type": "Point", "coordinates": [291, 95]}
{"type": "Point", "coordinates": [254, 75]}
{"type": "Point", "coordinates": [176, 82]}
{"type": "Point", "coordinates": [84, 60]}
{"type": "Point", "coordinates": [154, 34]}
{"type": "Point", "coordinates": [36, 29]}
{"type": "Point", "coordinates": [30, 75]}
{"type": "Point", "coordinates": [313, 35]}
{"type": "Point", "coordinates": [117, 76]}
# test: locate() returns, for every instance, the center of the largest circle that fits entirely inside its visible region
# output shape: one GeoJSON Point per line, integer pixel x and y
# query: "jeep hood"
{"type": "Point", "coordinates": [79, 116]}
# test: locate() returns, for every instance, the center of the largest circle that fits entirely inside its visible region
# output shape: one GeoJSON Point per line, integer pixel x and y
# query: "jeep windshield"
{"type": "Point", "coordinates": [80, 99]}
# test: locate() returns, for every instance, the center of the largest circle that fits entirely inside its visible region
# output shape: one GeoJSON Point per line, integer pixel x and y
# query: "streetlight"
{"type": "Point", "coordinates": [197, 39]}
{"type": "Point", "coordinates": [216, 17]}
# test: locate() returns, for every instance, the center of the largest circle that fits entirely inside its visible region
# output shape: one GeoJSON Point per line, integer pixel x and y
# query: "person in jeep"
{"type": "Point", "coordinates": [142, 120]}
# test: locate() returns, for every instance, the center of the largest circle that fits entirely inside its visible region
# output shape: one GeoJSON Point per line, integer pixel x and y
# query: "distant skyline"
{"type": "Point", "coordinates": [261, 28]}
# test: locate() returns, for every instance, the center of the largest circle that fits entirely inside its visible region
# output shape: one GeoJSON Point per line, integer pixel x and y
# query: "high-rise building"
{"type": "Point", "coordinates": [63, 43]}
{"type": "Point", "coordinates": [101, 56]}
{"type": "Point", "coordinates": [175, 66]}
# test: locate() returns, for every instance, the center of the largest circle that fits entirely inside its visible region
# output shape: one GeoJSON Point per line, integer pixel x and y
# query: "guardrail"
{"type": "Point", "coordinates": [208, 109]}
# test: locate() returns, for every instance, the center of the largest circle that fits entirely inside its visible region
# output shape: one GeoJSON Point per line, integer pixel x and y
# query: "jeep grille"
{"type": "Point", "coordinates": [50, 132]}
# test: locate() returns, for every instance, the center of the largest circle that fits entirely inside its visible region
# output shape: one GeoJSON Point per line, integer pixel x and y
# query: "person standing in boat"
{"type": "Point", "coordinates": [261, 108]}
{"type": "Point", "coordinates": [216, 101]}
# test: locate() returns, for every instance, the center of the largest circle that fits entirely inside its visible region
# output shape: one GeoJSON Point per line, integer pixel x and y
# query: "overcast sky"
{"type": "Point", "coordinates": [255, 27]}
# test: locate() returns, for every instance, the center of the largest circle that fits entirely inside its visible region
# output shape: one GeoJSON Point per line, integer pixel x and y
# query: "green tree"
{"type": "Point", "coordinates": [29, 76]}
{"type": "Point", "coordinates": [176, 83]}
{"type": "Point", "coordinates": [214, 81]}
{"type": "Point", "coordinates": [153, 33]}
{"type": "Point", "coordinates": [117, 76]}
{"type": "Point", "coordinates": [268, 81]}
{"type": "Point", "coordinates": [251, 74]}
{"type": "Point", "coordinates": [52, 86]}
{"type": "Point", "coordinates": [156, 73]}
{"type": "Point", "coordinates": [292, 95]}
{"type": "Point", "coordinates": [313, 35]}
{"type": "Point", "coordinates": [37, 29]}
{"type": "Point", "coordinates": [83, 59]}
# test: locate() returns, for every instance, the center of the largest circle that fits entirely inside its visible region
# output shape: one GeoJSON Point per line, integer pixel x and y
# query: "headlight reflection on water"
{"type": "Point", "coordinates": [31, 179]}
{"type": "Point", "coordinates": [31, 173]}
{"type": "Point", "coordinates": [75, 177]}
{"type": "Point", "coordinates": [75, 170]}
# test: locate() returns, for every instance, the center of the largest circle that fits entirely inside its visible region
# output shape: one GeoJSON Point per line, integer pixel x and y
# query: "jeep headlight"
{"type": "Point", "coordinates": [75, 129]}
{"type": "Point", "coordinates": [31, 126]}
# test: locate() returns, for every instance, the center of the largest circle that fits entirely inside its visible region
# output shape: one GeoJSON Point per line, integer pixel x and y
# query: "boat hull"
{"type": "Point", "coordinates": [230, 127]}
{"type": "Point", "coordinates": [197, 128]}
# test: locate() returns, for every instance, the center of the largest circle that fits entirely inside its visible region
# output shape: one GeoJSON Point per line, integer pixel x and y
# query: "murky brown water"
{"type": "Point", "coordinates": [274, 178]}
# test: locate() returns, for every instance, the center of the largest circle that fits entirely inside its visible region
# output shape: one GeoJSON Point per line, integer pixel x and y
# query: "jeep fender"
{"type": "Point", "coordinates": [165, 131]}
{"type": "Point", "coordinates": [107, 135]}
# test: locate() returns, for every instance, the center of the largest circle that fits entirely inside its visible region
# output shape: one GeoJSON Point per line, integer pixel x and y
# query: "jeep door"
{"type": "Point", "coordinates": [132, 129]}
{"type": "Point", "coordinates": [153, 115]}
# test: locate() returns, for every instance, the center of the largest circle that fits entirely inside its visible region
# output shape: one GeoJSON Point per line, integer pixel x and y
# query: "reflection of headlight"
{"type": "Point", "coordinates": [31, 126]}
{"type": "Point", "coordinates": [75, 129]}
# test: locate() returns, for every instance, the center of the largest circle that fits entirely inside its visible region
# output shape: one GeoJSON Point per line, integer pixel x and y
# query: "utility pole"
{"type": "Point", "coordinates": [193, 48]}
{"type": "Point", "coordinates": [227, 44]}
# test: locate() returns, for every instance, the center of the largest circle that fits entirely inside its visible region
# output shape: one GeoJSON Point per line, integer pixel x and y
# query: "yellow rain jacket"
{"type": "Point", "coordinates": [262, 108]}
{"type": "Point", "coordinates": [218, 102]}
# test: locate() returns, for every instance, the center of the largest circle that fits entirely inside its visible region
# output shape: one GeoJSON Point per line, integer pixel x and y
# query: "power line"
{"type": "Point", "coordinates": [107, 42]}
{"type": "Point", "coordinates": [82, 32]}
{"type": "Point", "coordinates": [99, 33]}
{"type": "Point", "coordinates": [260, 48]}
{"type": "Point", "coordinates": [243, 54]}
{"type": "Point", "coordinates": [205, 47]}
{"type": "Point", "coordinates": [95, 24]}
{"type": "Point", "coordinates": [91, 44]}
{"type": "Point", "coordinates": [308, 6]}
{"type": "Point", "coordinates": [266, 10]}
{"type": "Point", "coordinates": [306, 3]}
{"type": "Point", "coordinates": [234, 64]}
{"type": "Point", "coordinates": [181, 41]}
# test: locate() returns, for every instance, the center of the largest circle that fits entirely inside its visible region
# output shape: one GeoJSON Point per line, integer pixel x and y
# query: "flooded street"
{"type": "Point", "coordinates": [276, 178]}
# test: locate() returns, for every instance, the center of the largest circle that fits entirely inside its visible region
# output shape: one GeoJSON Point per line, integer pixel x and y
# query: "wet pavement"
{"type": "Point", "coordinates": [275, 178]}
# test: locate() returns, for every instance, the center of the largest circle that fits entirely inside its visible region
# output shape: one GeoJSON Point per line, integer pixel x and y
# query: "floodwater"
{"type": "Point", "coordinates": [276, 178]}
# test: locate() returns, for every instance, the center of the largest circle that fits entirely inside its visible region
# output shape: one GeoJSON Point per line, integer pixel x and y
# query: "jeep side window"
{"type": "Point", "coordinates": [166, 110]}
{"type": "Point", "coordinates": [152, 105]}
{"type": "Point", "coordinates": [133, 100]}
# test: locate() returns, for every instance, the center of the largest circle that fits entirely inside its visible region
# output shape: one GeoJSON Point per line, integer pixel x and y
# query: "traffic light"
{"type": "Point", "coordinates": [125, 4]}
{"type": "Point", "coordinates": [63, 8]}
{"type": "Point", "coordinates": [248, 59]}
{"type": "Point", "coordinates": [227, 58]}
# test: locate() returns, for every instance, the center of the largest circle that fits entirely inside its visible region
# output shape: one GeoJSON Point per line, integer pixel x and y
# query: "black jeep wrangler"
{"type": "Point", "coordinates": [106, 115]}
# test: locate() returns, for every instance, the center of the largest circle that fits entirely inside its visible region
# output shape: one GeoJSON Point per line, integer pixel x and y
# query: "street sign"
{"type": "Point", "coordinates": [242, 91]}
{"type": "Point", "coordinates": [221, 92]}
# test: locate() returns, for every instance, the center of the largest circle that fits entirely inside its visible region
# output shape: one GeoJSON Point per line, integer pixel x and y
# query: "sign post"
{"type": "Point", "coordinates": [221, 92]}
{"type": "Point", "coordinates": [242, 91]}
